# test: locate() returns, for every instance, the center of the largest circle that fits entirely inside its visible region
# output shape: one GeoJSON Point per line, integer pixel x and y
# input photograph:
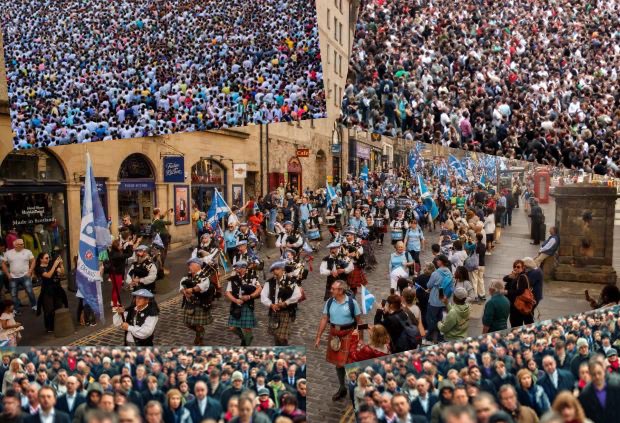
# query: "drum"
{"type": "Point", "coordinates": [330, 220]}
{"type": "Point", "coordinates": [397, 234]}
{"type": "Point", "coordinates": [378, 222]}
{"type": "Point", "coordinates": [314, 234]}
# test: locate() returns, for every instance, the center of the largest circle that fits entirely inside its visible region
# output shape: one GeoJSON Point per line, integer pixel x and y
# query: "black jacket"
{"type": "Point", "coordinates": [566, 382]}
{"type": "Point", "coordinates": [417, 410]}
{"type": "Point", "coordinates": [592, 407]}
{"type": "Point", "coordinates": [63, 405]}
{"type": "Point", "coordinates": [59, 417]}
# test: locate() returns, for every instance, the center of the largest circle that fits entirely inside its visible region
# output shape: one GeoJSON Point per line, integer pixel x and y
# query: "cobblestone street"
{"type": "Point", "coordinates": [560, 298]}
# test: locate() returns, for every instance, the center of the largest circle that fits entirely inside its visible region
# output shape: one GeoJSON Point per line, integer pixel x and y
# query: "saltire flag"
{"type": "Point", "coordinates": [224, 261]}
{"type": "Point", "coordinates": [412, 161]}
{"type": "Point", "coordinates": [483, 180]}
{"type": "Point", "coordinates": [95, 238]}
{"type": "Point", "coordinates": [502, 164]}
{"type": "Point", "coordinates": [427, 198]}
{"type": "Point", "coordinates": [364, 173]}
{"type": "Point", "coordinates": [331, 194]}
{"type": "Point", "coordinates": [458, 167]}
{"type": "Point", "coordinates": [368, 300]}
{"type": "Point", "coordinates": [218, 210]}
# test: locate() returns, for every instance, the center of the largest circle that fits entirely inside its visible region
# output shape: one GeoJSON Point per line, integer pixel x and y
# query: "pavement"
{"type": "Point", "coordinates": [560, 298]}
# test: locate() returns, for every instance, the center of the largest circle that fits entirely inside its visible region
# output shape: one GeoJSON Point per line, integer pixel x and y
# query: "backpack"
{"type": "Point", "coordinates": [351, 307]}
{"type": "Point", "coordinates": [409, 337]}
{"type": "Point", "coordinates": [447, 286]}
{"type": "Point", "coordinates": [472, 262]}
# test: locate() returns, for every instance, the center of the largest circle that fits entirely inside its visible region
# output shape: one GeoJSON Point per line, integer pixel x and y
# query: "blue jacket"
{"type": "Point", "coordinates": [434, 283]}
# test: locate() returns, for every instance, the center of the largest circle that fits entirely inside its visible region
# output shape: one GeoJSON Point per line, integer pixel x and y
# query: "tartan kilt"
{"type": "Point", "coordinates": [197, 315]}
{"type": "Point", "coordinates": [357, 278]}
{"type": "Point", "coordinates": [246, 321]}
{"type": "Point", "coordinates": [283, 318]}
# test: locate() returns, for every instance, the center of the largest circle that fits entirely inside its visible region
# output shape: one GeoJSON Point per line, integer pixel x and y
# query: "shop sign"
{"type": "Point", "coordinates": [336, 148]}
{"type": "Point", "coordinates": [240, 170]}
{"type": "Point", "coordinates": [303, 152]}
{"type": "Point", "coordinates": [363, 152]}
{"type": "Point", "coordinates": [174, 169]}
{"type": "Point", "coordinates": [33, 215]}
{"type": "Point", "coordinates": [375, 137]}
{"type": "Point", "coordinates": [136, 186]}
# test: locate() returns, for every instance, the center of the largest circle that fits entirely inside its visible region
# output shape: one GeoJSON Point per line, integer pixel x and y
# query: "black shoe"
{"type": "Point", "coordinates": [342, 393]}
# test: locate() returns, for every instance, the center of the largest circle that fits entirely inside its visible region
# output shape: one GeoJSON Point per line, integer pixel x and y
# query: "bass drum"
{"type": "Point", "coordinates": [314, 234]}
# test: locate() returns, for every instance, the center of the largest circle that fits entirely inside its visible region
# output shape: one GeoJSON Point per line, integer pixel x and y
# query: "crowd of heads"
{"type": "Point", "coordinates": [527, 80]}
{"type": "Point", "coordinates": [109, 385]}
{"type": "Point", "coordinates": [82, 73]}
{"type": "Point", "coordinates": [544, 371]}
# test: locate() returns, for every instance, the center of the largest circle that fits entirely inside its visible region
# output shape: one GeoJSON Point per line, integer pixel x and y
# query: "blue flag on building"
{"type": "Point", "coordinates": [368, 300]}
{"type": "Point", "coordinates": [94, 240]}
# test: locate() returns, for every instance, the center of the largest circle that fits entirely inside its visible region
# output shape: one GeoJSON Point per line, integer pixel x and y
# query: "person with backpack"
{"type": "Point", "coordinates": [440, 285]}
{"type": "Point", "coordinates": [455, 325]}
{"type": "Point", "coordinates": [343, 314]}
{"type": "Point", "coordinates": [404, 335]}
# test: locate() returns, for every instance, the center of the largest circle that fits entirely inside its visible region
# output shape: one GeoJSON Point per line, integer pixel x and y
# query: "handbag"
{"type": "Point", "coordinates": [525, 302]}
{"type": "Point", "coordinates": [472, 262]}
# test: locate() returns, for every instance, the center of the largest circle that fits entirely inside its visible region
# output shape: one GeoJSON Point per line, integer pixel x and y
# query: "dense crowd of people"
{"type": "Point", "coordinates": [564, 370]}
{"type": "Point", "coordinates": [128, 69]}
{"type": "Point", "coordinates": [527, 80]}
{"type": "Point", "coordinates": [160, 385]}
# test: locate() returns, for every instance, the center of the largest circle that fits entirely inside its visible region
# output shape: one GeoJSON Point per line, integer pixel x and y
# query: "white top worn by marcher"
{"type": "Point", "coordinates": [264, 295]}
{"type": "Point", "coordinates": [19, 262]}
{"type": "Point", "coordinates": [133, 332]}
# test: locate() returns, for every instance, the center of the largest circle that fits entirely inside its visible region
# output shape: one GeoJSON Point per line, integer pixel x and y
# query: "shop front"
{"type": "Point", "coordinates": [363, 156]}
{"type": "Point", "coordinates": [136, 191]}
{"type": "Point", "coordinates": [207, 176]}
{"type": "Point", "coordinates": [294, 174]}
{"type": "Point", "coordinates": [33, 203]}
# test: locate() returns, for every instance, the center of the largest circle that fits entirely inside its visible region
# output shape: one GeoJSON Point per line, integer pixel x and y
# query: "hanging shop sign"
{"type": "Point", "coordinates": [174, 169]}
{"type": "Point", "coordinates": [240, 170]}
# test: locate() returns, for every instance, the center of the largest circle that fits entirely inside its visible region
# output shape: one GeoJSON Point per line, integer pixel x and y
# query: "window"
{"type": "Point", "coordinates": [340, 65]}
{"type": "Point", "coordinates": [336, 28]}
{"type": "Point", "coordinates": [335, 94]}
{"type": "Point", "coordinates": [335, 62]}
{"type": "Point", "coordinates": [340, 33]}
{"type": "Point", "coordinates": [328, 49]}
{"type": "Point", "coordinates": [329, 13]}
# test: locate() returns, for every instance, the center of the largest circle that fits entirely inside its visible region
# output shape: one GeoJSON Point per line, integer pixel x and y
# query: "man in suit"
{"type": "Point", "coordinates": [12, 410]}
{"type": "Point", "coordinates": [47, 412]}
{"type": "Point", "coordinates": [555, 380]}
{"type": "Point", "coordinates": [600, 398]}
{"type": "Point", "coordinates": [70, 401]}
{"type": "Point", "coordinates": [401, 406]}
{"type": "Point", "coordinates": [423, 404]}
{"type": "Point", "coordinates": [203, 407]}
{"type": "Point", "coordinates": [291, 379]}
{"type": "Point", "coordinates": [133, 396]}
{"type": "Point", "coordinates": [301, 368]}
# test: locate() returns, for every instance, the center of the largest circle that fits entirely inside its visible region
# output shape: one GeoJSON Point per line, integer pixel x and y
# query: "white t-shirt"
{"type": "Point", "coordinates": [19, 262]}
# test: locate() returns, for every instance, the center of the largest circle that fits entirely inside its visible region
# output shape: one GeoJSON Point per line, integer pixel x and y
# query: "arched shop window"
{"type": "Point", "coordinates": [136, 190]}
{"type": "Point", "coordinates": [33, 203]}
{"type": "Point", "coordinates": [207, 175]}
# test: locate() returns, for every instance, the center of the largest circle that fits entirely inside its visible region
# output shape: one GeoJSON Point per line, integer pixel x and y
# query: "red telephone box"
{"type": "Point", "coordinates": [542, 182]}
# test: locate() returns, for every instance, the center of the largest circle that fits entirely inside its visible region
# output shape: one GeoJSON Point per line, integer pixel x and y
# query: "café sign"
{"type": "Point", "coordinates": [303, 152]}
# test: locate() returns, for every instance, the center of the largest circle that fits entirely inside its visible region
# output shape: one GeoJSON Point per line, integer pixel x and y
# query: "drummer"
{"type": "Point", "coordinates": [332, 218]}
{"type": "Point", "coordinates": [398, 227]}
{"type": "Point", "coordinates": [342, 313]}
{"type": "Point", "coordinates": [381, 217]}
{"type": "Point", "coordinates": [313, 229]}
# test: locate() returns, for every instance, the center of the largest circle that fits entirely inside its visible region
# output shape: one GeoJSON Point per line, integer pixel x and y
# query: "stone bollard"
{"type": "Point", "coordinates": [271, 240]}
{"type": "Point", "coordinates": [63, 323]}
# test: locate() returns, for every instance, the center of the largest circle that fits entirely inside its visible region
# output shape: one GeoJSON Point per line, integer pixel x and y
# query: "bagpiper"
{"type": "Point", "coordinates": [245, 234]}
{"type": "Point", "coordinates": [289, 238]}
{"type": "Point", "coordinates": [281, 295]}
{"type": "Point", "coordinates": [245, 254]}
{"type": "Point", "coordinates": [198, 294]}
{"type": "Point", "coordinates": [139, 320]}
{"type": "Point", "coordinates": [208, 250]}
{"type": "Point", "coordinates": [334, 266]}
{"type": "Point", "coordinates": [243, 288]}
{"type": "Point", "coordinates": [333, 216]}
{"type": "Point", "coordinates": [142, 271]}
{"type": "Point", "coordinates": [353, 249]}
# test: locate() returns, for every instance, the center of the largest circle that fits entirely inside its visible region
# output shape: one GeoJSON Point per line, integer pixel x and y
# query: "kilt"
{"type": "Point", "coordinates": [246, 321]}
{"type": "Point", "coordinates": [357, 278]}
{"type": "Point", "coordinates": [197, 315]}
{"type": "Point", "coordinates": [283, 320]}
{"type": "Point", "coordinates": [347, 343]}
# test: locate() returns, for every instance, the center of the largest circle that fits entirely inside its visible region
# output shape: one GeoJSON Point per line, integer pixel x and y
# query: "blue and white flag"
{"type": "Point", "coordinates": [427, 198]}
{"type": "Point", "coordinates": [331, 194]}
{"type": "Point", "coordinates": [458, 167]}
{"type": "Point", "coordinates": [218, 210]}
{"type": "Point", "coordinates": [364, 173]}
{"type": "Point", "coordinates": [368, 300]}
{"type": "Point", "coordinates": [424, 192]}
{"type": "Point", "coordinates": [94, 240]}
